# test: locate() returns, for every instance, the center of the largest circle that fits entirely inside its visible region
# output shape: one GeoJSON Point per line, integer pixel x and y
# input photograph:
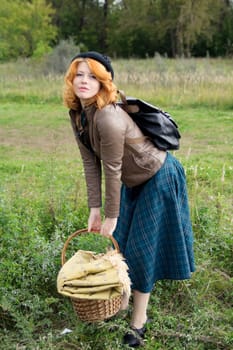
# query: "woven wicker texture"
{"type": "Point", "coordinates": [93, 310]}
{"type": "Point", "coordinates": [96, 310]}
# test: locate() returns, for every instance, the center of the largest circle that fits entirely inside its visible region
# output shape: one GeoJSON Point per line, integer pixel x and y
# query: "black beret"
{"type": "Point", "coordinates": [104, 60]}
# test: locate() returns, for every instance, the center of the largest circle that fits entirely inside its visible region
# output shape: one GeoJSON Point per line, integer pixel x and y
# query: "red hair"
{"type": "Point", "coordinates": [107, 93]}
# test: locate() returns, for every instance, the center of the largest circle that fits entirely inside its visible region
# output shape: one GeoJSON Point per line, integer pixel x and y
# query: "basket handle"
{"type": "Point", "coordinates": [84, 230]}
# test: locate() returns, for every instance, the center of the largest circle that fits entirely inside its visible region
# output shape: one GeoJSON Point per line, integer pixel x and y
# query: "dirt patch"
{"type": "Point", "coordinates": [39, 139]}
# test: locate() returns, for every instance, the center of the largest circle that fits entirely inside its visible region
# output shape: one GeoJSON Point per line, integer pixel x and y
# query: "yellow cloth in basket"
{"type": "Point", "coordinates": [89, 276]}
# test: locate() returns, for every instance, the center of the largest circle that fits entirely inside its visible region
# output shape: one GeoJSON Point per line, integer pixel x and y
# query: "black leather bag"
{"type": "Point", "coordinates": [153, 122]}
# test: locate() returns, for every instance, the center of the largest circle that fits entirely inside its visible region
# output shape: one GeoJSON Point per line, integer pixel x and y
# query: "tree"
{"type": "Point", "coordinates": [130, 27]}
{"type": "Point", "coordinates": [174, 27]}
{"type": "Point", "coordinates": [85, 21]}
{"type": "Point", "coordinates": [222, 43]}
{"type": "Point", "coordinates": [125, 28]}
{"type": "Point", "coordinates": [186, 21]}
{"type": "Point", "coordinates": [25, 28]}
{"type": "Point", "coordinates": [196, 18]}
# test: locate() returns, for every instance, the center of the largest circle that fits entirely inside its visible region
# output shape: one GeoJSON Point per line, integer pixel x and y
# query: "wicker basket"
{"type": "Point", "coordinates": [93, 310]}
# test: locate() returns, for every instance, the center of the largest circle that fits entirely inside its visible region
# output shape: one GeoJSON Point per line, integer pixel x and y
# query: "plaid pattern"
{"type": "Point", "coordinates": [154, 231]}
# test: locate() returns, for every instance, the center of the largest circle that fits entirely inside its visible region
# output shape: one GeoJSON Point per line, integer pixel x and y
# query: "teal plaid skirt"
{"type": "Point", "coordinates": [154, 230]}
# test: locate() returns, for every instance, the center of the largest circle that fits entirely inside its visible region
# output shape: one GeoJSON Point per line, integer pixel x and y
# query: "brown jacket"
{"type": "Point", "coordinates": [126, 156]}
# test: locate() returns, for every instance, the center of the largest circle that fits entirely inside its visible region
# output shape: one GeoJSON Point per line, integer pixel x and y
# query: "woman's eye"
{"type": "Point", "coordinates": [93, 76]}
{"type": "Point", "coordinates": [79, 74]}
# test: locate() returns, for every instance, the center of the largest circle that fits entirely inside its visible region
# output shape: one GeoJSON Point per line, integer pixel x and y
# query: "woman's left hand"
{"type": "Point", "coordinates": [108, 226]}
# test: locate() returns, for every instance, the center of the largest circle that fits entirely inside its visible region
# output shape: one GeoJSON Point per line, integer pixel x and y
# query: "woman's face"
{"type": "Point", "coordinates": [85, 83]}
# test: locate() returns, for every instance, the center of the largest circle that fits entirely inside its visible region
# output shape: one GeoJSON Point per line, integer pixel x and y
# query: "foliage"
{"type": "Point", "coordinates": [57, 61]}
{"type": "Point", "coordinates": [26, 28]}
{"type": "Point", "coordinates": [180, 21]}
{"type": "Point", "coordinates": [173, 28]}
{"type": "Point", "coordinates": [43, 200]}
{"type": "Point", "coordinates": [84, 21]}
{"type": "Point", "coordinates": [177, 28]}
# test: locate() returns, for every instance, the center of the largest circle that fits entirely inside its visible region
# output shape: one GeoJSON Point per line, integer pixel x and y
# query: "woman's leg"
{"type": "Point", "coordinates": [140, 303]}
{"type": "Point", "coordinates": [139, 317]}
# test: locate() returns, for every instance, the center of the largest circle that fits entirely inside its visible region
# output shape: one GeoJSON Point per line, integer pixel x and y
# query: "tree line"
{"type": "Point", "coordinates": [120, 28]}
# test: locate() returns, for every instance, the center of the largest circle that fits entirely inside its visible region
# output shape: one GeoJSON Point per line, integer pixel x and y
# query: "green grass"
{"type": "Point", "coordinates": [43, 200]}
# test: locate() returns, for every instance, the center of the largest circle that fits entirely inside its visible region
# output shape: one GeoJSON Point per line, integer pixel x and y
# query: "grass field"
{"type": "Point", "coordinates": [43, 200]}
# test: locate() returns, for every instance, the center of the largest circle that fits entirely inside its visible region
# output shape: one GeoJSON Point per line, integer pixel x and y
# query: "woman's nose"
{"type": "Point", "coordinates": [84, 78]}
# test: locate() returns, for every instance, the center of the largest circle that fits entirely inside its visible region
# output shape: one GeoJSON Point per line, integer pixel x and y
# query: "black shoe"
{"type": "Point", "coordinates": [134, 337]}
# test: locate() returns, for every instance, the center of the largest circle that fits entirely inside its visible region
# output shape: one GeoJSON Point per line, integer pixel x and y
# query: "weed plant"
{"type": "Point", "coordinates": [43, 201]}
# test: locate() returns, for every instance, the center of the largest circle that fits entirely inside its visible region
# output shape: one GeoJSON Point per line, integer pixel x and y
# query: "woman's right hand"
{"type": "Point", "coordinates": [94, 220]}
{"type": "Point", "coordinates": [108, 226]}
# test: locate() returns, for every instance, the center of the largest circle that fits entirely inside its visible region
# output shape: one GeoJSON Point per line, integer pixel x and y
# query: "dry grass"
{"type": "Point", "coordinates": [178, 82]}
{"type": "Point", "coordinates": [165, 82]}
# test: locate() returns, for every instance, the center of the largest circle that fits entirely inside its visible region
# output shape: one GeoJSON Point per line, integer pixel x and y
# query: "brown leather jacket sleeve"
{"type": "Point", "coordinates": [111, 135]}
{"type": "Point", "coordinates": [92, 169]}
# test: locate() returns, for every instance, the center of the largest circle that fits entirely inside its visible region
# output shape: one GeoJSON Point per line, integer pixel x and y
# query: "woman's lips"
{"type": "Point", "coordinates": [82, 89]}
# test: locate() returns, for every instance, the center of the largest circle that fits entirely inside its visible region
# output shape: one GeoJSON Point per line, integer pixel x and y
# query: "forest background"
{"type": "Point", "coordinates": [127, 28]}
{"type": "Point", "coordinates": [174, 54]}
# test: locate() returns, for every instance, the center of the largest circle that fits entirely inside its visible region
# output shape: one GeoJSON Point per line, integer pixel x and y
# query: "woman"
{"type": "Point", "coordinates": [146, 205]}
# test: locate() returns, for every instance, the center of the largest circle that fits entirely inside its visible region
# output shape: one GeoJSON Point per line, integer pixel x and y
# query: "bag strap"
{"type": "Point", "coordinates": [122, 96]}
{"type": "Point", "coordinates": [130, 109]}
